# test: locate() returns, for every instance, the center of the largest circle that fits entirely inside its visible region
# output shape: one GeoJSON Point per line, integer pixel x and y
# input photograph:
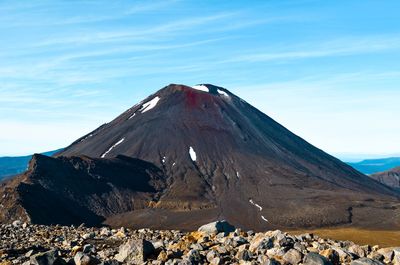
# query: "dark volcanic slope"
{"type": "Point", "coordinates": [248, 168]}
{"type": "Point", "coordinates": [222, 158]}
{"type": "Point", "coordinates": [390, 178]}
{"type": "Point", "coordinates": [74, 190]}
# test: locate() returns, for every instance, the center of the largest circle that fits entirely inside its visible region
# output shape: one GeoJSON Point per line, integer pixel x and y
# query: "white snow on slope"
{"type": "Point", "coordinates": [149, 105]}
{"type": "Point", "coordinates": [112, 147]}
{"type": "Point", "coordinates": [237, 174]}
{"type": "Point", "coordinates": [223, 93]}
{"type": "Point", "coordinates": [265, 219]}
{"type": "Point", "coordinates": [90, 135]}
{"type": "Point", "coordinates": [201, 88]}
{"type": "Point", "coordinates": [256, 205]}
{"type": "Point", "coordinates": [192, 154]}
{"type": "Point", "coordinates": [133, 115]}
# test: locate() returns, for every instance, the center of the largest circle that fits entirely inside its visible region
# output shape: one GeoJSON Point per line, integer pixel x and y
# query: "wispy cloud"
{"type": "Point", "coordinates": [149, 33]}
{"type": "Point", "coordinates": [337, 47]}
{"type": "Point", "coordinates": [27, 15]}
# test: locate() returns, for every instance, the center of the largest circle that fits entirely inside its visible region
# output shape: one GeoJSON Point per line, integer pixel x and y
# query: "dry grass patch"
{"type": "Point", "coordinates": [383, 238]}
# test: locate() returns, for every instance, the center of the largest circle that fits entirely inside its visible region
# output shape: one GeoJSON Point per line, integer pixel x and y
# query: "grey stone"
{"type": "Point", "coordinates": [396, 258]}
{"type": "Point", "coordinates": [194, 256]}
{"type": "Point", "coordinates": [356, 249]}
{"type": "Point", "coordinates": [238, 241]}
{"type": "Point", "coordinates": [271, 262]}
{"type": "Point", "coordinates": [298, 246]}
{"type": "Point", "coordinates": [211, 255]}
{"type": "Point", "coordinates": [217, 227]}
{"type": "Point", "coordinates": [275, 252]}
{"type": "Point", "coordinates": [134, 251]}
{"type": "Point", "coordinates": [29, 253]}
{"type": "Point", "coordinates": [243, 255]}
{"type": "Point", "coordinates": [158, 245]}
{"type": "Point", "coordinates": [90, 235]}
{"type": "Point", "coordinates": [387, 253]}
{"type": "Point", "coordinates": [292, 257]}
{"type": "Point", "coordinates": [260, 241]}
{"type": "Point", "coordinates": [84, 259]}
{"type": "Point", "coordinates": [366, 261]}
{"type": "Point", "coordinates": [17, 223]}
{"type": "Point", "coordinates": [110, 262]}
{"type": "Point", "coordinates": [105, 231]}
{"type": "Point", "coordinates": [47, 258]}
{"type": "Point", "coordinates": [216, 261]}
{"type": "Point", "coordinates": [88, 248]}
{"type": "Point", "coordinates": [315, 259]}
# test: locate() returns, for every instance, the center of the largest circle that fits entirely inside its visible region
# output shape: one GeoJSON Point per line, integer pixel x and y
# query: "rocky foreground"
{"type": "Point", "coordinates": [215, 243]}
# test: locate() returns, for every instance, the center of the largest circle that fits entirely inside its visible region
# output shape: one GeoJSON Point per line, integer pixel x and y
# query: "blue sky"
{"type": "Point", "coordinates": [327, 70]}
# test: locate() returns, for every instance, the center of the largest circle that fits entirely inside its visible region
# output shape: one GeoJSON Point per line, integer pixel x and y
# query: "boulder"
{"type": "Point", "coordinates": [194, 256]}
{"type": "Point", "coordinates": [215, 261]}
{"type": "Point", "coordinates": [88, 248]}
{"type": "Point", "coordinates": [387, 254]}
{"type": "Point", "coordinates": [316, 259]}
{"type": "Point", "coordinates": [366, 261]}
{"type": "Point", "coordinates": [84, 259]}
{"type": "Point", "coordinates": [243, 255]}
{"type": "Point", "coordinates": [217, 227]}
{"type": "Point", "coordinates": [292, 257]}
{"type": "Point", "coordinates": [47, 258]}
{"type": "Point", "coordinates": [331, 255]}
{"type": "Point", "coordinates": [90, 235]}
{"type": "Point", "coordinates": [17, 223]}
{"type": "Point", "coordinates": [396, 257]}
{"type": "Point", "coordinates": [344, 256]}
{"type": "Point", "coordinates": [356, 249]}
{"type": "Point", "coordinates": [271, 262]}
{"type": "Point", "coordinates": [260, 241]}
{"type": "Point", "coordinates": [212, 254]}
{"type": "Point", "coordinates": [135, 251]}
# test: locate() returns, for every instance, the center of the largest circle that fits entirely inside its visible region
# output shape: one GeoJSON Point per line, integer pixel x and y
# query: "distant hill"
{"type": "Point", "coordinates": [390, 177]}
{"type": "Point", "coordinates": [371, 166]}
{"type": "Point", "coordinates": [12, 165]}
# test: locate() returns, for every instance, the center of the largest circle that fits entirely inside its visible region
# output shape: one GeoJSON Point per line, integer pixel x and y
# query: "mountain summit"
{"type": "Point", "coordinates": [210, 156]}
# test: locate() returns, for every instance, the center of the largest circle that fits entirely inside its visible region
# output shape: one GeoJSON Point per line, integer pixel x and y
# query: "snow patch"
{"type": "Point", "coordinates": [201, 88]}
{"type": "Point", "coordinates": [112, 147]}
{"type": "Point", "coordinates": [265, 219]}
{"type": "Point", "coordinates": [256, 205]}
{"type": "Point", "coordinates": [163, 160]}
{"type": "Point", "coordinates": [133, 115]}
{"type": "Point", "coordinates": [174, 164]}
{"type": "Point", "coordinates": [223, 93]}
{"type": "Point", "coordinates": [192, 154]}
{"type": "Point", "coordinates": [149, 105]}
{"type": "Point", "coordinates": [237, 175]}
{"type": "Point", "coordinates": [90, 135]}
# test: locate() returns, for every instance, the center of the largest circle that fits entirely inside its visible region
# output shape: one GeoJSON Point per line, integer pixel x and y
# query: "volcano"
{"type": "Point", "coordinates": [204, 154]}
